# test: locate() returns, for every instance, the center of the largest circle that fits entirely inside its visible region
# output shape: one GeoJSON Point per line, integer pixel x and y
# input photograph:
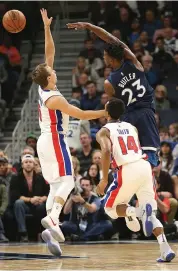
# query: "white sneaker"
{"type": "Point", "coordinates": [53, 226]}
{"type": "Point", "coordinates": [146, 220]}
{"type": "Point", "coordinates": [167, 254]}
{"type": "Point", "coordinates": [131, 220]}
{"type": "Point", "coordinates": [52, 244]}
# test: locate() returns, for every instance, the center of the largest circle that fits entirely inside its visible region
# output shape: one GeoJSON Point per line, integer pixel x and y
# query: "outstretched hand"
{"type": "Point", "coordinates": [47, 21]}
{"type": "Point", "coordinates": [76, 26]}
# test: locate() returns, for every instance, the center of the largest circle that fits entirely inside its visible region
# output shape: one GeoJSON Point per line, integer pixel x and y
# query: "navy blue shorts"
{"type": "Point", "coordinates": [144, 120]}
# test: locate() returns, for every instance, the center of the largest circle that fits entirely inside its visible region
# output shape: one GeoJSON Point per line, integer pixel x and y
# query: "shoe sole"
{"type": "Point", "coordinates": [170, 257]}
{"type": "Point", "coordinates": [148, 224]}
{"type": "Point", "coordinates": [53, 248]}
{"type": "Point", "coordinates": [56, 236]}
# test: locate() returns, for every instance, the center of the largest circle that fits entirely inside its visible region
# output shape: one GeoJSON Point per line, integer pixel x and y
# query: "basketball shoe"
{"type": "Point", "coordinates": [167, 254]}
{"type": "Point", "coordinates": [131, 219]}
{"type": "Point", "coordinates": [146, 220]}
{"type": "Point", "coordinates": [53, 225]}
{"type": "Point", "coordinates": [52, 244]}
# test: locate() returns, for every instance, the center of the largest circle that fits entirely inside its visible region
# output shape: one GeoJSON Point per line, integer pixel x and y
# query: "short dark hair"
{"type": "Point", "coordinates": [77, 90]}
{"type": "Point", "coordinates": [160, 38]}
{"type": "Point", "coordinates": [90, 82]}
{"type": "Point", "coordinates": [115, 108]}
{"type": "Point", "coordinates": [40, 75]}
{"type": "Point", "coordinates": [114, 50]}
{"type": "Point", "coordinates": [86, 179]}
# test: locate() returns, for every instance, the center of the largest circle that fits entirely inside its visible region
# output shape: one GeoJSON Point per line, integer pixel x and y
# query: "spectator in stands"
{"type": "Point", "coordinates": [3, 206]}
{"type": "Point", "coordinates": [151, 74]}
{"type": "Point", "coordinates": [161, 102]}
{"type": "Point", "coordinates": [173, 132]}
{"type": "Point", "coordinates": [138, 50]}
{"type": "Point", "coordinates": [82, 81]}
{"type": "Point", "coordinates": [76, 96]}
{"type": "Point", "coordinates": [146, 44]}
{"type": "Point", "coordinates": [5, 174]}
{"type": "Point", "coordinates": [92, 55]}
{"type": "Point", "coordinates": [31, 141]}
{"type": "Point", "coordinates": [135, 26]}
{"type": "Point", "coordinates": [81, 67]}
{"type": "Point", "coordinates": [90, 100]}
{"type": "Point", "coordinates": [151, 23]}
{"type": "Point", "coordinates": [161, 58]}
{"type": "Point", "coordinates": [167, 22]}
{"type": "Point", "coordinates": [83, 209]}
{"type": "Point", "coordinates": [97, 42]}
{"type": "Point", "coordinates": [117, 33]}
{"type": "Point", "coordinates": [166, 157]}
{"type": "Point", "coordinates": [158, 121]}
{"type": "Point", "coordinates": [167, 204]}
{"type": "Point", "coordinates": [170, 42]}
{"type": "Point", "coordinates": [76, 167]}
{"type": "Point", "coordinates": [103, 101]}
{"type": "Point", "coordinates": [28, 193]}
{"type": "Point", "coordinates": [37, 166]}
{"type": "Point", "coordinates": [11, 51]}
{"type": "Point", "coordinates": [164, 134]}
{"type": "Point", "coordinates": [27, 150]}
{"type": "Point", "coordinates": [98, 13]}
{"type": "Point", "coordinates": [93, 174]}
{"type": "Point", "coordinates": [106, 74]}
{"type": "Point", "coordinates": [85, 155]}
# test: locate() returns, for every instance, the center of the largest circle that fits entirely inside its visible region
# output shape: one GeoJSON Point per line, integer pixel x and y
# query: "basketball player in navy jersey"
{"type": "Point", "coordinates": [127, 82]}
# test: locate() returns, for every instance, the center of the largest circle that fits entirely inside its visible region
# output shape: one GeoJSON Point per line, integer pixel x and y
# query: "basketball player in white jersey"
{"type": "Point", "coordinates": [53, 152]}
{"type": "Point", "coordinates": [133, 176]}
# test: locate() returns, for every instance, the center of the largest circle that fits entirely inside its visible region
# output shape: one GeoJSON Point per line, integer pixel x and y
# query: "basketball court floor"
{"type": "Point", "coordinates": [86, 256]}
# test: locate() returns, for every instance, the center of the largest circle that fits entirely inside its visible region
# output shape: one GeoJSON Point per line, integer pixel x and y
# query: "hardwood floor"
{"type": "Point", "coordinates": [88, 256]}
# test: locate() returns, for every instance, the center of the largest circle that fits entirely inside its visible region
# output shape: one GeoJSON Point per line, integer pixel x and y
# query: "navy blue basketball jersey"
{"type": "Point", "coordinates": [132, 87]}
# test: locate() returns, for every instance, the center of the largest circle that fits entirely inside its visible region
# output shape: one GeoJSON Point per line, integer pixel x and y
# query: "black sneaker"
{"type": "Point", "coordinates": [3, 238]}
{"type": "Point", "coordinates": [24, 238]}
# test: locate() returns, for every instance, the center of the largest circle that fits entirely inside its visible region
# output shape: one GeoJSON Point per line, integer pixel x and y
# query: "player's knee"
{"type": "Point", "coordinates": [111, 212]}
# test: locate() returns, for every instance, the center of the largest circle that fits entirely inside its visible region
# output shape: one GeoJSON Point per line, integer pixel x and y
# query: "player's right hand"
{"type": "Point", "coordinates": [47, 21]}
{"type": "Point", "coordinates": [76, 26]}
{"type": "Point", "coordinates": [101, 187]}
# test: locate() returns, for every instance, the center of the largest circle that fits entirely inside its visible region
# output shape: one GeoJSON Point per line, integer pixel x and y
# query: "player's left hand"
{"type": "Point", "coordinates": [47, 21]}
{"type": "Point", "coordinates": [76, 26]}
{"type": "Point", "coordinates": [101, 187]}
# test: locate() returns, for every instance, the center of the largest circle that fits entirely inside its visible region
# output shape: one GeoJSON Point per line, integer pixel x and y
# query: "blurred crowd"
{"type": "Point", "coordinates": [151, 31]}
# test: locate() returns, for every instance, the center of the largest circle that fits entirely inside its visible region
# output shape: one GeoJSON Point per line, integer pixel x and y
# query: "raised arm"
{"type": "Point", "coordinates": [107, 37]}
{"type": "Point", "coordinates": [49, 43]}
{"type": "Point", "coordinates": [60, 103]}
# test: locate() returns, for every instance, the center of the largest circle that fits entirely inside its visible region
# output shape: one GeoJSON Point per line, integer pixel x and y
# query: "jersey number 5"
{"type": "Point", "coordinates": [131, 145]}
{"type": "Point", "coordinates": [130, 92]}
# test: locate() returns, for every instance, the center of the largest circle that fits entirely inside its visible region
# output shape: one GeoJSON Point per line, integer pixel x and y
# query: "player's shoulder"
{"type": "Point", "coordinates": [46, 94]}
{"type": "Point", "coordinates": [127, 125]}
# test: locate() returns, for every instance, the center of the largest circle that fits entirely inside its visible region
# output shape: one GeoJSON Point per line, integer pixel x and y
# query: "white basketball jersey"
{"type": "Point", "coordinates": [51, 121]}
{"type": "Point", "coordinates": [73, 134]}
{"type": "Point", "coordinates": [125, 143]}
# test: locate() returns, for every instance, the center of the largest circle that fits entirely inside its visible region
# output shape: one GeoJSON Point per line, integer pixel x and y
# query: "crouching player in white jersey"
{"type": "Point", "coordinates": [133, 176]}
{"type": "Point", "coordinates": [54, 155]}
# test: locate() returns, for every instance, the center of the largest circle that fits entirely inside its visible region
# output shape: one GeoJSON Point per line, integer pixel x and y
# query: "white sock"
{"type": "Point", "coordinates": [161, 239]}
{"type": "Point", "coordinates": [56, 210]}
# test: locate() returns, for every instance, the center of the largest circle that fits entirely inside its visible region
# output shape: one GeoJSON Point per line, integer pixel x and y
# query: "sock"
{"type": "Point", "coordinates": [161, 239]}
{"type": "Point", "coordinates": [56, 210]}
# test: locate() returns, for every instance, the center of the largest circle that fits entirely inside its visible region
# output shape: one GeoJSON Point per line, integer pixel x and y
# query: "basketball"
{"type": "Point", "coordinates": [14, 21]}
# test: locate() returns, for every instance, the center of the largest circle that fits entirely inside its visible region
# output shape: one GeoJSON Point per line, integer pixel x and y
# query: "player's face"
{"type": "Point", "coordinates": [107, 60]}
{"type": "Point", "coordinates": [28, 165]}
{"type": "Point", "coordinates": [52, 78]}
